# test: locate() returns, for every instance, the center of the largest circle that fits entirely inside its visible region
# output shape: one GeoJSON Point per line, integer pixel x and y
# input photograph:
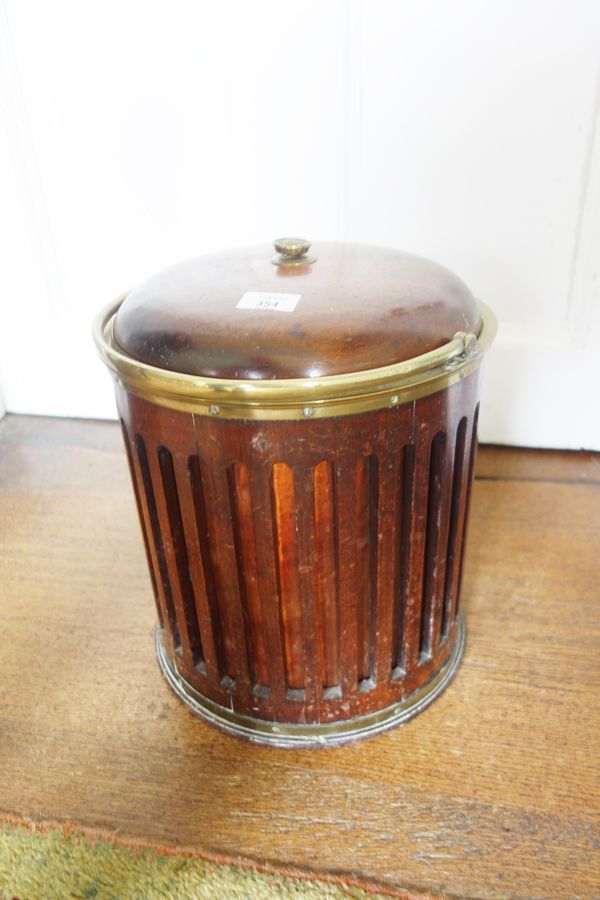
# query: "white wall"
{"type": "Point", "coordinates": [140, 133]}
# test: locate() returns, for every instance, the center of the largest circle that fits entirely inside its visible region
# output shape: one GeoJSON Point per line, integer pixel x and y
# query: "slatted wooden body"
{"type": "Point", "coordinates": [306, 571]}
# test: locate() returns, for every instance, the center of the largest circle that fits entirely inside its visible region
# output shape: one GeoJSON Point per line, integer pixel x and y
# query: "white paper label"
{"type": "Point", "coordinates": [269, 301]}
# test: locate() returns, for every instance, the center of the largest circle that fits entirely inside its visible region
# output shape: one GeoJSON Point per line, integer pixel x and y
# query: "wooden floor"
{"type": "Point", "coordinates": [492, 792]}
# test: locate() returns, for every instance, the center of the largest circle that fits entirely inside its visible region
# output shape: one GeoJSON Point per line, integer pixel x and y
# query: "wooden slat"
{"type": "Point", "coordinates": [366, 496]}
{"type": "Point", "coordinates": [404, 541]}
{"type": "Point", "coordinates": [418, 521]}
{"type": "Point", "coordinates": [288, 581]}
{"type": "Point", "coordinates": [327, 572]}
{"type": "Point", "coordinates": [169, 543]}
{"type": "Point", "coordinates": [455, 528]}
{"type": "Point", "coordinates": [220, 536]}
{"type": "Point", "coordinates": [262, 509]}
{"type": "Point", "coordinates": [384, 622]}
{"type": "Point", "coordinates": [439, 581]}
{"type": "Point", "coordinates": [471, 457]}
{"type": "Point", "coordinates": [305, 502]}
{"type": "Point", "coordinates": [437, 491]}
{"type": "Point", "coordinates": [247, 566]}
{"type": "Point", "coordinates": [145, 521]}
{"type": "Point", "coordinates": [199, 559]}
{"type": "Point", "coordinates": [349, 588]}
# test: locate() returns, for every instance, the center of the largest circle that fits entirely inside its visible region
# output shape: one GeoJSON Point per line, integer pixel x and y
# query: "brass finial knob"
{"type": "Point", "coordinates": [292, 251]}
{"type": "Point", "coordinates": [291, 246]}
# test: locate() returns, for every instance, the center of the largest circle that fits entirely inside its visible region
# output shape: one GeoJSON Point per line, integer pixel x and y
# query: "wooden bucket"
{"type": "Point", "coordinates": [301, 434]}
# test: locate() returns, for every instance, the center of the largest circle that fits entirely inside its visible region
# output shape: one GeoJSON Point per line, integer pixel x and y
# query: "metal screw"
{"type": "Point", "coordinates": [214, 410]}
{"type": "Point", "coordinates": [394, 399]}
{"type": "Point", "coordinates": [308, 411]}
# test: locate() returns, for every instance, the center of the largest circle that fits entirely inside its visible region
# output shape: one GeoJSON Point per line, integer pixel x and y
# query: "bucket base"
{"type": "Point", "coordinates": [281, 734]}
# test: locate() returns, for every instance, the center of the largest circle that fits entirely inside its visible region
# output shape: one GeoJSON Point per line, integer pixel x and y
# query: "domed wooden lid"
{"type": "Point", "coordinates": [309, 311]}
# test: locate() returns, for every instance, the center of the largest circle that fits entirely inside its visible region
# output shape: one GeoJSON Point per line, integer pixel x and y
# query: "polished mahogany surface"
{"type": "Point", "coordinates": [359, 308]}
{"type": "Point", "coordinates": [306, 571]}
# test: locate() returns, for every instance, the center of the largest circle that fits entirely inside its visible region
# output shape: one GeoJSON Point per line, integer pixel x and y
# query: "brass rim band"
{"type": "Point", "coordinates": [282, 734]}
{"type": "Point", "coordinates": [297, 398]}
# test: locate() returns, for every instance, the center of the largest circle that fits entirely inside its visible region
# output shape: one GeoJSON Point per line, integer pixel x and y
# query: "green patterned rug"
{"type": "Point", "coordinates": [55, 864]}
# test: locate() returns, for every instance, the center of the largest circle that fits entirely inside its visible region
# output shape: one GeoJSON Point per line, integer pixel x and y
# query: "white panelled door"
{"type": "Point", "coordinates": [480, 141]}
{"type": "Point", "coordinates": [136, 134]}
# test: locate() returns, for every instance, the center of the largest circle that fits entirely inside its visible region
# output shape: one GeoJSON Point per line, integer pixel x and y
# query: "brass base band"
{"type": "Point", "coordinates": [331, 734]}
{"type": "Point", "coordinates": [297, 398]}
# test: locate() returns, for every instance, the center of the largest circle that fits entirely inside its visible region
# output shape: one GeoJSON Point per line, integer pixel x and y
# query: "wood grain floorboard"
{"type": "Point", "coordinates": [492, 792]}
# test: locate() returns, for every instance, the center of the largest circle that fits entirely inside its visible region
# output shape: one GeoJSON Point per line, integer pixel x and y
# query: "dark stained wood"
{"type": "Point", "coordinates": [492, 792]}
{"type": "Point", "coordinates": [360, 308]}
{"type": "Point", "coordinates": [329, 536]}
{"type": "Point", "coordinates": [387, 567]}
{"type": "Point", "coordinates": [326, 573]}
{"type": "Point", "coordinates": [286, 568]}
{"type": "Point", "coordinates": [526, 464]}
{"type": "Point", "coordinates": [458, 503]}
{"type": "Point", "coordinates": [246, 561]}
{"type": "Point", "coordinates": [365, 548]}
{"type": "Point", "coordinates": [349, 591]}
{"type": "Point", "coordinates": [191, 506]}
{"type": "Point", "coordinates": [312, 689]}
